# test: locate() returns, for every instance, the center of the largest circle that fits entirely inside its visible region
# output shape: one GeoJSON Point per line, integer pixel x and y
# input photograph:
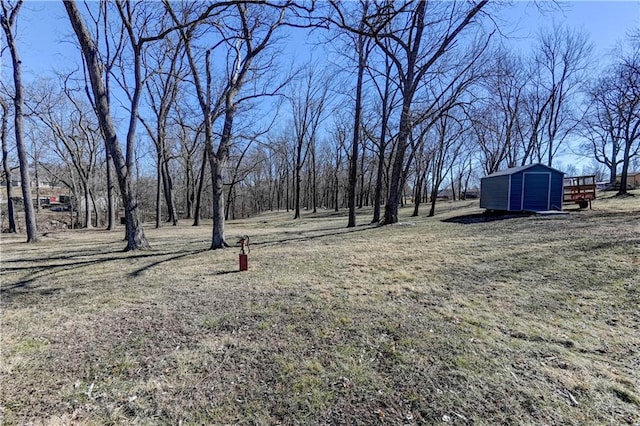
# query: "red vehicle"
{"type": "Point", "coordinates": [580, 190]}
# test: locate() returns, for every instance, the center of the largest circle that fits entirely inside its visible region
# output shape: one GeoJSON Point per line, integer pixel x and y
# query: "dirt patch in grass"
{"type": "Point", "coordinates": [531, 320]}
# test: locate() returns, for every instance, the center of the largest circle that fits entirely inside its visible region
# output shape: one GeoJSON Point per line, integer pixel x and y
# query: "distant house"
{"type": "Point", "coordinates": [535, 187]}
{"type": "Point", "coordinates": [633, 179]}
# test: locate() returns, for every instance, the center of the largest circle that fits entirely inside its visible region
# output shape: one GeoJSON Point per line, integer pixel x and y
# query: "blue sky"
{"type": "Point", "coordinates": [606, 22]}
{"type": "Point", "coordinates": [45, 35]}
{"type": "Point", "coordinates": [44, 28]}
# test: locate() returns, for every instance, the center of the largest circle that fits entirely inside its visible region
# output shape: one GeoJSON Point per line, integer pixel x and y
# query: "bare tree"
{"type": "Point", "coordinates": [283, 150]}
{"type": "Point", "coordinates": [111, 55]}
{"type": "Point", "coordinates": [612, 122]}
{"type": "Point", "coordinates": [448, 131]}
{"type": "Point", "coordinates": [423, 157]}
{"type": "Point", "coordinates": [496, 114]}
{"type": "Point", "coordinates": [162, 90]}
{"type": "Point", "coordinates": [8, 21]}
{"type": "Point", "coordinates": [360, 44]}
{"type": "Point", "coordinates": [602, 126]}
{"type": "Point", "coordinates": [308, 104]}
{"type": "Point", "coordinates": [248, 33]}
{"type": "Point", "coordinates": [414, 42]}
{"type": "Point", "coordinates": [463, 167]}
{"type": "Point", "coordinates": [387, 92]}
{"type": "Point", "coordinates": [338, 146]}
{"type": "Point", "coordinates": [626, 88]}
{"type": "Point", "coordinates": [75, 136]}
{"type": "Point", "coordinates": [559, 66]}
{"type": "Point", "coordinates": [124, 167]}
{"type": "Point", "coordinates": [188, 135]}
{"type": "Point", "coordinates": [6, 169]}
{"type": "Point", "coordinates": [201, 184]}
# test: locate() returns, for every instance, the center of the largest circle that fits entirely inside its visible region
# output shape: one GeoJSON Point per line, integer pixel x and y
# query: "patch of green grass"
{"type": "Point", "coordinates": [28, 345]}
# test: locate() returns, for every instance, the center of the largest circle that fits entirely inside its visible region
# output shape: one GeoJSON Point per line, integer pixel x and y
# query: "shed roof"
{"type": "Point", "coordinates": [514, 170]}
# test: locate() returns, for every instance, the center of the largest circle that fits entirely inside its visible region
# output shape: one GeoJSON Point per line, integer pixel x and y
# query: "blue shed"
{"type": "Point", "coordinates": [535, 187]}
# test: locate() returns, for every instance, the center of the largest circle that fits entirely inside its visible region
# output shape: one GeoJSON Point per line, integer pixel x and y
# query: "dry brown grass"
{"type": "Point", "coordinates": [524, 320]}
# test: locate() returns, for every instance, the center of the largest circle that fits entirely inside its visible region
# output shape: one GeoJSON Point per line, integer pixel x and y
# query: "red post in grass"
{"type": "Point", "coordinates": [244, 250]}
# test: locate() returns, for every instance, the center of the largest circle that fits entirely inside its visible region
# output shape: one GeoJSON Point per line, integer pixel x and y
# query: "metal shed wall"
{"type": "Point", "coordinates": [516, 192]}
{"type": "Point", "coordinates": [535, 191]}
{"type": "Point", "coordinates": [557, 191]}
{"type": "Point", "coordinates": [494, 193]}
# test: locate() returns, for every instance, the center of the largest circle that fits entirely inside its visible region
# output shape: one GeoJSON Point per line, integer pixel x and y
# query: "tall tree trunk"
{"type": "Point", "coordinates": [189, 190]}
{"type": "Point", "coordinates": [307, 185]}
{"type": "Point", "coordinates": [217, 168]}
{"type": "Point", "coordinates": [112, 209]}
{"type": "Point", "coordinates": [135, 235]}
{"type": "Point", "coordinates": [5, 167]}
{"type": "Point", "coordinates": [613, 165]}
{"type": "Point", "coordinates": [196, 212]}
{"type": "Point", "coordinates": [361, 176]}
{"type": "Point", "coordinates": [417, 196]}
{"type": "Point", "coordinates": [434, 197]}
{"type": "Point", "coordinates": [377, 196]}
{"type": "Point", "coordinates": [453, 186]}
{"type": "Point", "coordinates": [314, 181]}
{"type": "Point", "coordinates": [18, 103]}
{"type": "Point", "coordinates": [36, 180]}
{"type": "Point", "coordinates": [218, 164]}
{"type": "Point", "coordinates": [111, 198]}
{"type": "Point", "coordinates": [169, 194]}
{"type": "Point", "coordinates": [278, 193]}
{"type": "Point", "coordinates": [87, 206]}
{"type": "Point", "coordinates": [297, 180]}
{"type": "Point", "coordinates": [36, 177]}
{"type": "Point", "coordinates": [355, 143]}
{"type": "Point", "coordinates": [94, 207]}
{"type": "Point", "coordinates": [377, 199]}
{"type": "Point", "coordinates": [288, 201]}
{"type": "Point", "coordinates": [395, 185]}
{"type": "Point", "coordinates": [625, 169]}
{"type": "Point", "coordinates": [158, 189]}
{"type": "Point", "coordinates": [73, 202]}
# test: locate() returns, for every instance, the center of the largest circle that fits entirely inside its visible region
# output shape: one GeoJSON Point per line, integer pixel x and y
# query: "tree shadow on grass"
{"type": "Point", "coordinates": [139, 271]}
{"type": "Point", "coordinates": [226, 272]}
{"type": "Point", "coordinates": [315, 234]}
{"type": "Point", "coordinates": [44, 265]}
{"type": "Point", "coordinates": [41, 269]}
{"type": "Point", "coordinates": [67, 255]}
{"type": "Point", "coordinates": [15, 289]}
{"type": "Point", "coordinates": [470, 219]}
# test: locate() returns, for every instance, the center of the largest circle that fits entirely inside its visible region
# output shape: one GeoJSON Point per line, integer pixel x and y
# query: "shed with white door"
{"type": "Point", "coordinates": [535, 187]}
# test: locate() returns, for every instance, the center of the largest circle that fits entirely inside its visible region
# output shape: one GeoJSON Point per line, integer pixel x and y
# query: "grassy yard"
{"type": "Point", "coordinates": [455, 319]}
